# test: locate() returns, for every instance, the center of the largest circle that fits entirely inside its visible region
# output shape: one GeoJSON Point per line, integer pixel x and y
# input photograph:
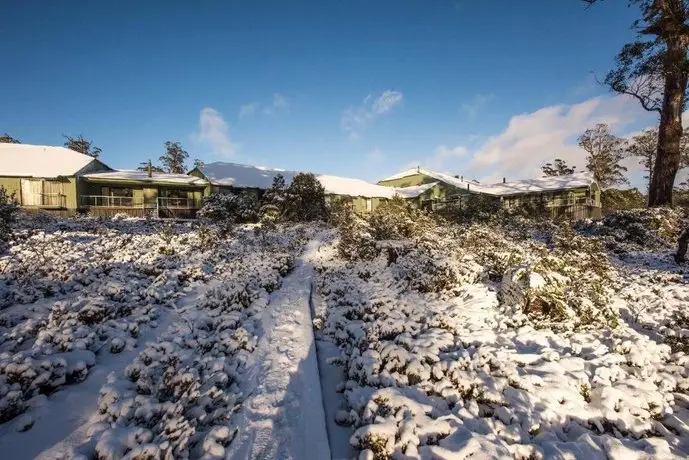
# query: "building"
{"type": "Point", "coordinates": [226, 177]}
{"type": "Point", "coordinates": [64, 182]}
{"type": "Point", "coordinates": [43, 177]}
{"type": "Point", "coordinates": [573, 196]}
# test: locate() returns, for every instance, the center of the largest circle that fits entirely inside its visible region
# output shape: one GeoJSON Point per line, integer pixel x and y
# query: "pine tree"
{"type": "Point", "coordinates": [273, 200]}
{"type": "Point", "coordinates": [557, 168]}
{"type": "Point", "coordinates": [605, 153]}
{"type": "Point", "coordinates": [82, 145]}
{"type": "Point", "coordinates": [7, 139]}
{"type": "Point", "coordinates": [305, 199]}
{"type": "Point", "coordinates": [174, 157]}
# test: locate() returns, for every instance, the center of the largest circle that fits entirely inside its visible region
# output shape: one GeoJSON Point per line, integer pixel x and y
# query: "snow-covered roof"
{"type": "Point", "coordinates": [27, 160]}
{"type": "Point", "coordinates": [335, 185]}
{"type": "Point", "coordinates": [414, 191]}
{"type": "Point", "coordinates": [142, 176]}
{"type": "Point", "coordinates": [542, 184]}
{"type": "Point", "coordinates": [243, 176]}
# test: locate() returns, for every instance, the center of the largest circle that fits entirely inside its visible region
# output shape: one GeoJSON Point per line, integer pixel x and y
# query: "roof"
{"type": "Point", "coordinates": [542, 184]}
{"type": "Point", "coordinates": [335, 185]}
{"type": "Point", "coordinates": [25, 160]}
{"type": "Point", "coordinates": [414, 191]}
{"type": "Point", "coordinates": [243, 176]}
{"type": "Point", "coordinates": [142, 176]}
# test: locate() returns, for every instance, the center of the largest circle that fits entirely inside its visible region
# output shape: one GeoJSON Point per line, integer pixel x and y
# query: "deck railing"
{"type": "Point", "coordinates": [105, 201]}
{"type": "Point", "coordinates": [570, 202]}
{"type": "Point", "coordinates": [177, 203]}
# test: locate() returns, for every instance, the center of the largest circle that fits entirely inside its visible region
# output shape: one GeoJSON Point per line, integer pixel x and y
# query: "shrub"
{"type": "Point", "coordinates": [8, 214]}
{"type": "Point", "coordinates": [356, 240]}
{"type": "Point", "coordinates": [397, 219]}
{"type": "Point", "coordinates": [616, 200]}
{"type": "Point", "coordinates": [473, 207]}
{"type": "Point", "coordinates": [273, 200]}
{"type": "Point", "coordinates": [230, 208]}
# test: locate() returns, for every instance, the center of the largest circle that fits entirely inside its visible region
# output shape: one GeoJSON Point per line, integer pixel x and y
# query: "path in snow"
{"type": "Point", "coordinates": [62, 422]}
{"type": "Point", "coordinates": [283, 417]}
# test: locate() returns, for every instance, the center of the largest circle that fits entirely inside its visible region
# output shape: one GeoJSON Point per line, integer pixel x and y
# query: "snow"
{"type": "Point", "coordinates": [132, 339]}
{"type": "Point", "coordinates": [243, 176]}
{"type": "Point", "coordinates": [335, 185]}
{"type": "Point", "coordinates": [283, 417]}
{"type": "Point", "coordinates": [40, 161]}
{"type": "Point", "coordinates": [142, 176]}
{"type": "Point", "coordinates": [542, 184]}
{"type": "Point", "coordinates": [415, 190]}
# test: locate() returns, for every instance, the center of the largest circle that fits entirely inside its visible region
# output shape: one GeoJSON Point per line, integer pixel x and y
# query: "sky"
{"type": "Point", "coordinates": [354, 88]}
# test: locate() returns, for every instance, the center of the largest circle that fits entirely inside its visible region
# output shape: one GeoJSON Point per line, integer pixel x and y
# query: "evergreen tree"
{"type": "Point", "coordinates": [198, 163]}
{"type": "Point", "coordinates": [305, 199]}
{"type": "Point", "coordinates": [82, 145]}
{"type": "Point", "coordinates": [273, 201]}
{"type": "Point", "coordinates": [654, 69]}
{"type": "Point", "coordinates": [174, 157]}
{"type": "Point", "coordinates": [605, 154]}
{"type": "Point", "coordinates": [557, 168]}
{"type": "Point", "coordinates": [7, 139]}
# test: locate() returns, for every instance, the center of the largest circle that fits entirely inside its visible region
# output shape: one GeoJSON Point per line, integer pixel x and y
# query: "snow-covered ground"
{"type": "Point", "coordinates": [135, 339]}
{"type": "Point", "coordinates": [458, 370]}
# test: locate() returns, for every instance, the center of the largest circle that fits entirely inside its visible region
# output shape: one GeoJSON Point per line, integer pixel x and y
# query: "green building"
{"type": "Point", "coordinates": [61, 181]}
{"type": "Point", "coordinates": [574, 196]}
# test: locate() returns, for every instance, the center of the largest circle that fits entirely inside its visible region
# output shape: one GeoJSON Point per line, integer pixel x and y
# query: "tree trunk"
{"type": "Point", "coordinates": [682, 243]}
{"type": "Point", "coordinates": [670, 129]}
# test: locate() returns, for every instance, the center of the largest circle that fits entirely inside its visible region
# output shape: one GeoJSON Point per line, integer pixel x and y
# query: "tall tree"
{"type": "Point", "coordinates": [654, 69]}
{"type": "Point", "coordinates": [82, 145]}
{"type": "Point", "coordinates": [7, 139]}
{"type": "Point", "coordinates": [198, 163]}
{"type": "Point", "coordinates": [174, 157]}
{"type": "Point", "coordinates": [605, 154]}
{"type": "Point", "coordinates": [557, 168]}
{"type": "Point", "coordinates": [644, 146]}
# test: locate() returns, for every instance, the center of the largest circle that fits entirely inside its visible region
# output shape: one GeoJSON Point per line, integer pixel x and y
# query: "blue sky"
{"type": "Point", "coordinates": [353, 88]}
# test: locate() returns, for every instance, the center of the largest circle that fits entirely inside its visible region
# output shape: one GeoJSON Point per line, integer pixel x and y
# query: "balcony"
{"type": "Point", "coordinates": [105, 201]}
{"type": "Point", "coordinates": [558, 202]}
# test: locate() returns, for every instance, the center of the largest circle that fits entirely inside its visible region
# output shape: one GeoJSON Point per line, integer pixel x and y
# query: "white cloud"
{"type": "Point", "coordinates": [280, 102]}
{"type": "Point", "coordinates": [248, 110]}
{"type": "Point", "coordinates": [356, 119]}
{"type": "Point", "coordinates": [532, 139]}
{"type": "Point", "coordinates": [375, 156]}
{"type": "Point", "coordinates": [477, 103]}
{"type": "Point", "coordinates": [214, 132]}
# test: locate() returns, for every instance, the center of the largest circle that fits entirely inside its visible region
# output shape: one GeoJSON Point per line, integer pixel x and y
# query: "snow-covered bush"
{"type": "Point", "coordinates": [638, 229]}
{"type": "Point", "coordinates": [8, 213]}
{"type": "Point", "coordinates": [397, 219]}
{"type": "Point", "coordinates": [230, 208]}
{"type": "Point", "coordinates": [356, 240]}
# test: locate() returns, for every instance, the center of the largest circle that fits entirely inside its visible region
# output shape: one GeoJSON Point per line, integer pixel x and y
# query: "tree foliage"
{"type": "Point", "coordinates": [557, 168]}
{"type": "Point", "coordinates": [82, 145]}
{"type": "Point", "coordinates": [605, 154]}
{"type": "Point", "coordinates": [7, 139]}
{"type": "Point", "coordinates": [174, 157]}
{"type": "Point", "coordinates": [654, 69]}
{"type": "Point", "coordinates": [8, 215]}
{"type": "Point", "coordinates": [305, 199]}
{"type": "Point", "coordinates": [273, 201]}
